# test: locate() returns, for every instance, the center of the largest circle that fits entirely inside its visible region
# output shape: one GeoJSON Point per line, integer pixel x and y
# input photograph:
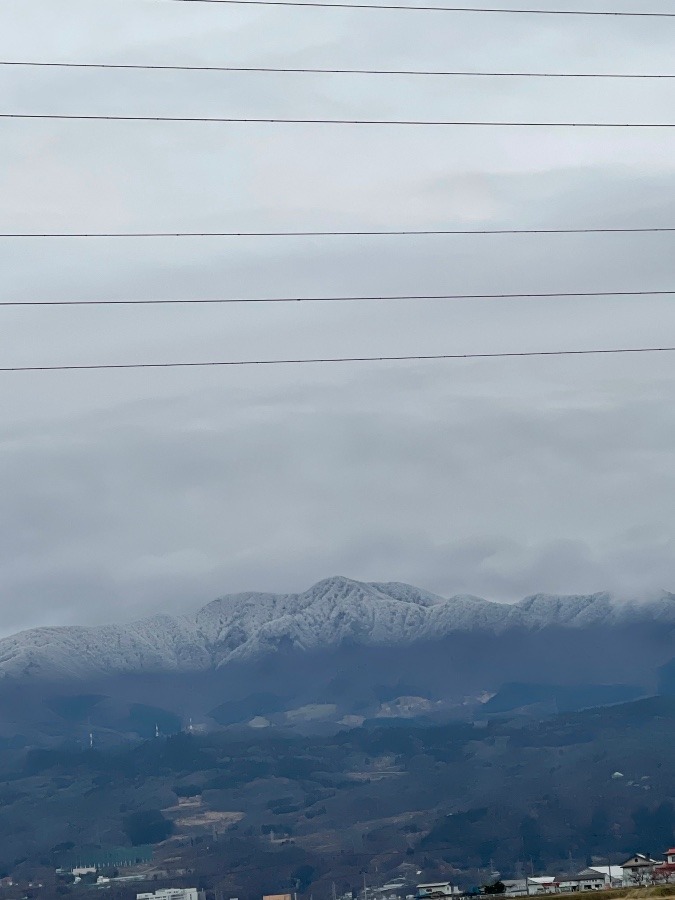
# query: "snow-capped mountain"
{"type": "Point", "coordinates": [244, 627]}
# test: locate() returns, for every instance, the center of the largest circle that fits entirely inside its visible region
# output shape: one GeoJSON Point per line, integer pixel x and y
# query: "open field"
{"type": "Point", "coordinates": [662, 891]}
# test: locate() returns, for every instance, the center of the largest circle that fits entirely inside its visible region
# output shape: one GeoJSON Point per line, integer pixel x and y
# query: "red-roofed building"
{"type": "Point", "coordinates": [666, 871]}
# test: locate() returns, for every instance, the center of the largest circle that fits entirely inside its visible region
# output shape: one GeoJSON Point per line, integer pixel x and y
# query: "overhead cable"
{"type": "Point", "coordinates": [327, 71]}
{"type": "Point", "coordinates": [335, 359]}
{"type": "Point", "coordinates": [283, 121]}
{"type": "Point", "coordinates": [293, 234]}
{"type": "Point", "coordinates": [336, 298]}
{"type": "Point", "coordinates": [453, 9]}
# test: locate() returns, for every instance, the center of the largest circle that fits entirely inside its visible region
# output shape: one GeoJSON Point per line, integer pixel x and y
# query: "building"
{"type": "Point", "coordinates": [389, 890]}
{"type": "Point", "coordinates": [613, 875]}
{"type": "Point", "coordinates": [541, 884]}
{"type": "Point", "coordinates": [514, 887]}
{"type": "Point", "coordinates": [436, 890]}
{"type": "Point", "coordinates": [586, 880]}
{"type": "Point", "coordinates": [173, 894]}
{"type": "Point", "coordinates": [666, 871]}
{"type": "Point", "coordinates": [639, 869]}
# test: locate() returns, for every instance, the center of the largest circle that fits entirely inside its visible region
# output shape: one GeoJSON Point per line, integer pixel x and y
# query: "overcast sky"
{"type": "Point", "coordinates": [126, 493]}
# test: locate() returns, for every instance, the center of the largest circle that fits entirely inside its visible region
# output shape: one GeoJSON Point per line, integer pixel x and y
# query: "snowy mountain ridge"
{"type": "Point", "coordinates": [242, 627]}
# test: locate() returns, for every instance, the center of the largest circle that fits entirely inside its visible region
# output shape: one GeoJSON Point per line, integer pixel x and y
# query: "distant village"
{"type": "Point", "coordinates": [640, 870]}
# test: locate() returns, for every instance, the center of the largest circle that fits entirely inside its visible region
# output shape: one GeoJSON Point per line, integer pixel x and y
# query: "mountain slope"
{"type": "Point", "coordinates": [245, 627]}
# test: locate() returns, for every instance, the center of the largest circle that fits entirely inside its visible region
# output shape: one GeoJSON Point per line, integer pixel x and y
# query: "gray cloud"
{"type": "Point", "coordinates": [125, 493]}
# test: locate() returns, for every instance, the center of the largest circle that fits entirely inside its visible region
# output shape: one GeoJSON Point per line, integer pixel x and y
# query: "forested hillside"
{"type": "Point", "coordinates": [457, 799]}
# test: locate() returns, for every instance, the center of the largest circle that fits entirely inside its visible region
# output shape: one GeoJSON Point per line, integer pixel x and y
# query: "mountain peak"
{"type": "Point", "coordinates": [336, 583]}
{"type": "Point", "coordinates": [245, 626]}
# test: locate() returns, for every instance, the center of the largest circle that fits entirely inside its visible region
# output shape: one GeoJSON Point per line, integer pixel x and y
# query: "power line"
{"type": "Point", "coordinates": [456, 9]}
{"type": "Point", "coordinates": [392, 297]}
{"type": "Point", "coordinates": [326, 71]}
{"type": "Point", "coordinates": [281, 121]}
{"type": "Point", "coordinates": [336, 359]}
{"type": "Point", "coordinates": [293, 234]}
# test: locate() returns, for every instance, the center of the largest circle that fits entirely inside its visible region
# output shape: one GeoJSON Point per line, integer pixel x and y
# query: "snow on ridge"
{"type": "Point", "coordinates": [248, 625]}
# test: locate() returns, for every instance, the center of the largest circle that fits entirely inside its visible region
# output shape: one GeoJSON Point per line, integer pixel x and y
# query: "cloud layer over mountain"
{"type": "Point", "coordinates": [131, 493]}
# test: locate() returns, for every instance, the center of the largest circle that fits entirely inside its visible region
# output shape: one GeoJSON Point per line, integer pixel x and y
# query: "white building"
{"type": "Point", "coordinates": [613, 875]}
{"type": "Point", "coordinates": [436, 890]}
{"type": "Point", "coordinates": [515, 887]}
{"type": "Point", "coordinates": [639, 869]}
{"type": "Point", "coordinates": [173, 894]}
